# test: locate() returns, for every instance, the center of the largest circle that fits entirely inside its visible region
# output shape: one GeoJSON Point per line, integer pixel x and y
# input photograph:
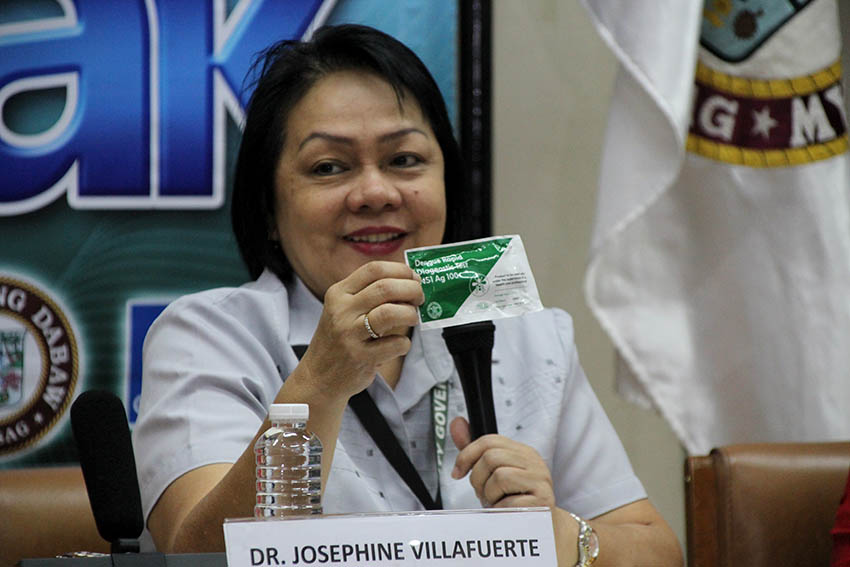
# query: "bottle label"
{"type": "Point", "coordinates": [476, 280]}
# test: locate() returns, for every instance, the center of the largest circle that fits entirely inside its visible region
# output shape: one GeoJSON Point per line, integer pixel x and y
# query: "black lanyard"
{"type": "Point", "coordinates": [379, 430]}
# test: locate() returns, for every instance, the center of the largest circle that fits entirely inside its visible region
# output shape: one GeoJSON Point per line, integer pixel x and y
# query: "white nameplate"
{"type": "Point", "coordinates": [515, 537]}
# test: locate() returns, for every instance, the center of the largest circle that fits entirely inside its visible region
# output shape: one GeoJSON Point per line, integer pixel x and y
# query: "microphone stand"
{"type": "Point", "coordinates": [102, 435]}
{"type": "Point", "coordinates": [471, 347]}
{"type": "Point", "coordinates": [124, 545]}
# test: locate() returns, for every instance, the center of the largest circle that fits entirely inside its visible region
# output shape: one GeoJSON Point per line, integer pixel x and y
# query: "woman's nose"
{"type": "Point", "coordinates": [374, 190]}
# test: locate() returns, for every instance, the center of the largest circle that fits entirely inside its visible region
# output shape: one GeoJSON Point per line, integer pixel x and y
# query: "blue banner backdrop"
{"type": "Point", "coordinates": [118, 130]}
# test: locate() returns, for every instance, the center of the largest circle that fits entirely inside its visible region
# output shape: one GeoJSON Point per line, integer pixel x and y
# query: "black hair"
{"type": "Point", "coordinates": [287, 70]}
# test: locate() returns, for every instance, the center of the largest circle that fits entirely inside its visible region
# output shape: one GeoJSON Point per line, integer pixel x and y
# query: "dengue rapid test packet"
{"type": "Point", "coordinates": [477, 280]}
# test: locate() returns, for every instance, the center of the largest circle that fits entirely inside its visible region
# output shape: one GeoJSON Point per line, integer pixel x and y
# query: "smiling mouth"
{"type": "Point", "coordinates": [375, 238]}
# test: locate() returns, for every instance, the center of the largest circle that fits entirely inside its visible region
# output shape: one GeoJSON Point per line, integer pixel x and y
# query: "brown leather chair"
{"type": "Point", "coordinates": [764, 505]}
{"type": "Point", "coordinates": [45, 512]}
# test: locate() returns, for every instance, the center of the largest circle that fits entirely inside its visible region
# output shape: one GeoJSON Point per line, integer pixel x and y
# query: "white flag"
{"type": "Point", "coordinates": [720, 260]}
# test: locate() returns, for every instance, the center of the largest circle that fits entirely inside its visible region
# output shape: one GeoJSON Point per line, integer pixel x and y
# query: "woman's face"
{"type": "Point", "coordinates": [360, 178]}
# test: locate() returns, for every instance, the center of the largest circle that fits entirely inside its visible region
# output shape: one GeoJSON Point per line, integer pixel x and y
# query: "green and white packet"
{"type": "Point", "coordinates": [476, 280]}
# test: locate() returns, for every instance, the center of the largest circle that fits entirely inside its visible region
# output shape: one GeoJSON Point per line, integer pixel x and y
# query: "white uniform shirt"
{"type": "Point", "coordinates": [214, 361]}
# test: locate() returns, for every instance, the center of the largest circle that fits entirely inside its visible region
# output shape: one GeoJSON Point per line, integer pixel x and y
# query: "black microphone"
{"type": "Point", "coordinates": [99, 423]}
{"type": "Point", "coordinates": [471, 346]}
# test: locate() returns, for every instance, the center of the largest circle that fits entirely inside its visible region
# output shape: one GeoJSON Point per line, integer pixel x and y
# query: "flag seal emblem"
{"type": "Point", "coordinates": [39, 364]}
{"type": "Point", "coordinates": [734, 29]}
{"type": "Point", "coordinates": [768, 122]}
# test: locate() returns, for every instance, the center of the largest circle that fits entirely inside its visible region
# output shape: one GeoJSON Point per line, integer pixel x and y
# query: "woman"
{"type": "Point", "coordinates": [347, 160]}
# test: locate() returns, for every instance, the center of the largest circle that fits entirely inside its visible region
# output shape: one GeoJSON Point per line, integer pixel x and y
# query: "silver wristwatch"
{"type": "Point", "coordinates": [588, 543]}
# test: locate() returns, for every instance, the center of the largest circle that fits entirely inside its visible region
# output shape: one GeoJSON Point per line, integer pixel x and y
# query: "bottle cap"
{"type": "Point", "coordinates": [289, 411]}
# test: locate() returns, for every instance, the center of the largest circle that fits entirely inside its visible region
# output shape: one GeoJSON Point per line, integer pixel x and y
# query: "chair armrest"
{"type": "Point", "coordinates": [764, 504]}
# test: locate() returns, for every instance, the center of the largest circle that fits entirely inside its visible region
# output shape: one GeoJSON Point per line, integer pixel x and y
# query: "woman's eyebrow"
{"type": "Point", "coordinates": [336, 139]}
{"type": "Point", "coordinates": [400, 134]}
{"type": "Point", "coordinates": [346, 140]}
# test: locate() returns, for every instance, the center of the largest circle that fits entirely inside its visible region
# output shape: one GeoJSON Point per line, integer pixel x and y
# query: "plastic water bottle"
{"type": "Point", "coordinates": [289, 465]}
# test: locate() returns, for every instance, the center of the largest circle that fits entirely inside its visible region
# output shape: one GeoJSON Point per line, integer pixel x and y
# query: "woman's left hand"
{"type": "Point", "coordinates": [503, 472]}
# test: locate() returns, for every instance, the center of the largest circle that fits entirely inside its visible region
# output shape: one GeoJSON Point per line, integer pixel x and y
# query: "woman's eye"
{"type": "Point", "coordinates": [327, 168]}
{"type": "Point", "coordinates": [405, 160]}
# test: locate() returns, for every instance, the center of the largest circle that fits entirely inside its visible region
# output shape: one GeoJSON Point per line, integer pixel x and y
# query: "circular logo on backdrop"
{"type": "Point", "coordinates": [39, 364]}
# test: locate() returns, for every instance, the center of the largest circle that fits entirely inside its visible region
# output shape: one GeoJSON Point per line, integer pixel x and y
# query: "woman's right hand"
{"type": "Point", "coordinates": [342, 358]}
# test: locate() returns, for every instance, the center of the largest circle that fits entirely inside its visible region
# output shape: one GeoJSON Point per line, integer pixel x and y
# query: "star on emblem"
{"type": "Point", "coordinates": [38, 418]}
{"type": "Point", "coordinates": [763, 122]}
